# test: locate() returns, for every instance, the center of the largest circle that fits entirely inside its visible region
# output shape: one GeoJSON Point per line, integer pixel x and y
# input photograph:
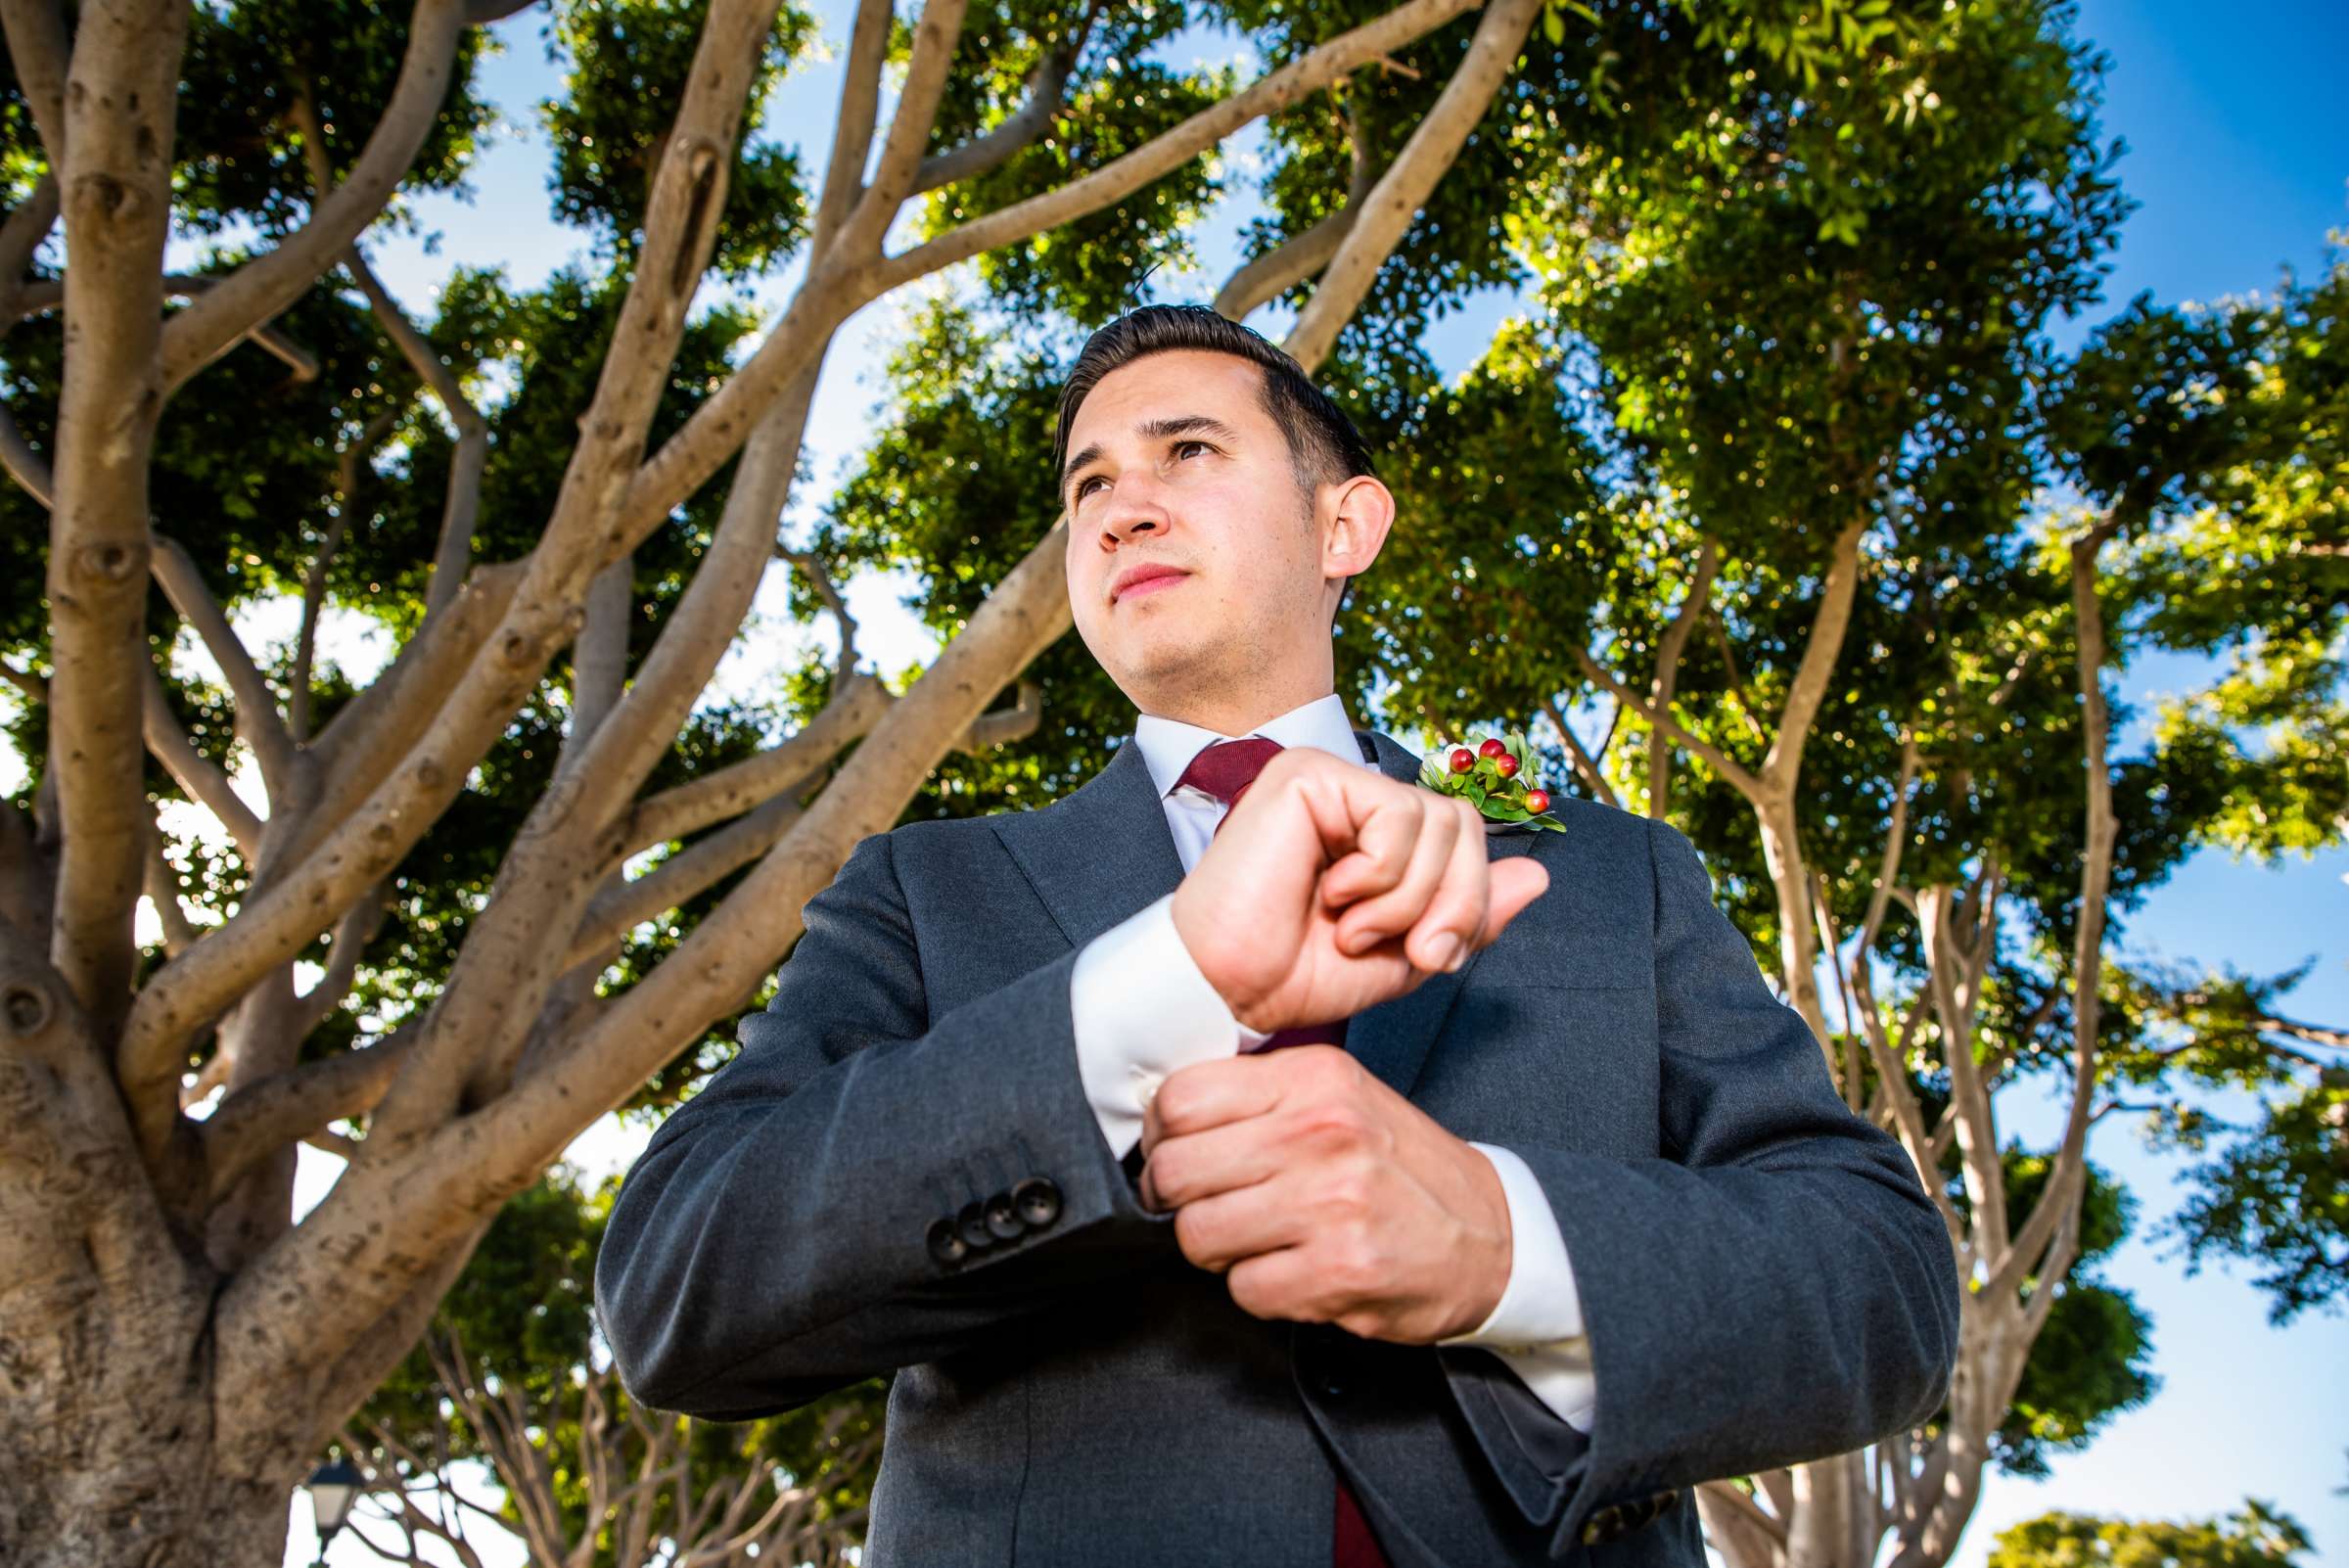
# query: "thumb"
{"type": "Point", "coordinates": [1513, 884]}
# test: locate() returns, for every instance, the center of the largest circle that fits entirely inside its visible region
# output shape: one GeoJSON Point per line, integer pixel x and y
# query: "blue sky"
{"type": "Point", "coordinates": [2238, 154]}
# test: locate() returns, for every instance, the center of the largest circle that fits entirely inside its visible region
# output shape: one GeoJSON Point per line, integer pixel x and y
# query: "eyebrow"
{"type": "Point", "coordinates": [1149, 429]}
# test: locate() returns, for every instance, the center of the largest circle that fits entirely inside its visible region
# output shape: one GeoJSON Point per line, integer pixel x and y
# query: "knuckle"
{"type": "Point", "coordinates": [1355, 1267]}
{"type": "Point", "coordinates": [1193, 1233]}
{"type": "Point", "coordinates": [1166, 1178]}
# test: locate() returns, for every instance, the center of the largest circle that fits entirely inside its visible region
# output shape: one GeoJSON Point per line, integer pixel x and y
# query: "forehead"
{"type": "Point", "coordinates": [1201, 381]}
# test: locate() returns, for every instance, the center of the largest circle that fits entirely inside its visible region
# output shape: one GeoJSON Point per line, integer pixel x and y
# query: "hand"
{"type": "Point", "coordinates": [1332, 887]}
{"type": "Point", "coordinates": [1325, 1196]}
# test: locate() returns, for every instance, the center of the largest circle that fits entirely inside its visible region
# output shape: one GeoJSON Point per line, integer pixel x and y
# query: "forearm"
{"type": "Point", "coordinates": [776, 1238]}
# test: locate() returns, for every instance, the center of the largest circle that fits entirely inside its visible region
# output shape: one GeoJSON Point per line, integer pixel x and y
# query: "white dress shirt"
{"type": "Point", "coordinates": [1143, 1009]}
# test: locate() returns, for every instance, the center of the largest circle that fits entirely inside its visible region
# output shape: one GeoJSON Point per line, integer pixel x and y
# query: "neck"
{"type": "Point", "coordinates": [1234, 714]}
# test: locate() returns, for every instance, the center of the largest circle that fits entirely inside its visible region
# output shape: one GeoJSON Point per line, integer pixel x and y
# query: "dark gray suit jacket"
{"type": "Point", "coordinates": [900, 1170]}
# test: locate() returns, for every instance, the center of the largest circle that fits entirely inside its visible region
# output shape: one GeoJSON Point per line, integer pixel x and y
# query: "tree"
{"type": "Point", "coordinates": [152, 1251]}
{"type": "Point", "coordinates": [508, 1376]}
{"type": "Point", "coordinates": [2257, 1536]}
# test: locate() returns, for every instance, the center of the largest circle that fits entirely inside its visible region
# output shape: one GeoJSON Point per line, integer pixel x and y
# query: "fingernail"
{"type": "Point", "coordinates": [1455, 953]}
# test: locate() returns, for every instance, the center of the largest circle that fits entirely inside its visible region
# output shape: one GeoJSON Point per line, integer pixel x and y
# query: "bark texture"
{"type": "Point", "coordinates": [178, 1349]}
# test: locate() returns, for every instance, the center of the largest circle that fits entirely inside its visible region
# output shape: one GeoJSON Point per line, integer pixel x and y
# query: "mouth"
{"type": "Point", "coordinates": [1146, 580]}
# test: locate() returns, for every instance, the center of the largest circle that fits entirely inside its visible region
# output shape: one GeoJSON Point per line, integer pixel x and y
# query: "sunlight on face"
{"type": "Point", "coordinates": [1173, 464]}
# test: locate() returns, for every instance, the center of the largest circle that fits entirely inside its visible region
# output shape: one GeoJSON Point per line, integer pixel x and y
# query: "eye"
{"type": "Point", "coordinates": [1084, 485]}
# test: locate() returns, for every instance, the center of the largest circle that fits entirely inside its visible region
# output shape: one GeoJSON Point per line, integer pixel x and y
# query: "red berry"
{"type": "Point", "coordinates": [1462, 760]}
{"type": "Point", "coordinates": [1492, 748]}
{"type": "Point", "coordinates": [1537, 800]}
{"type": "Point", "coordinates": [1506, 765]}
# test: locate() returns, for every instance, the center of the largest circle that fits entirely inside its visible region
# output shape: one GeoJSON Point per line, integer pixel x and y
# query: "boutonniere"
{"type": "Point", "coordinates": [1497, 777]}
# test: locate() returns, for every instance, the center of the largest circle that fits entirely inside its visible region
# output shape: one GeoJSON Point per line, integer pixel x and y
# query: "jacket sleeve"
{"type": "Point", "coordinates": [1777, 1288]}
{"type": "Point", "coordinates": [811, 1216]}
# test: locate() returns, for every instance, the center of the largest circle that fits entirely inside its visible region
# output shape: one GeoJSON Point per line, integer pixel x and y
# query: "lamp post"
{"type": "Point", "coordinates": [333, 1486]}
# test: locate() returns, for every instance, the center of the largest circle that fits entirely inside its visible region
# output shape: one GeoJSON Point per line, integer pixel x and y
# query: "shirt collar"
{"type": "Point", "coordinates": [1168, 744]}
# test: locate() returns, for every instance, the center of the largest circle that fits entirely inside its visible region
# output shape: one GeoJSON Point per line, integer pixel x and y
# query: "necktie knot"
{"type": "Point", "coordinates": [1224, 768]}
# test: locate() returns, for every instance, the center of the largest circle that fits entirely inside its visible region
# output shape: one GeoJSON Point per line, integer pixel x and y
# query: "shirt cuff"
{"type": "Point", "coordinates": [1140, 1010]}
{"type": "Point", "coordinates": [1536, 1325]}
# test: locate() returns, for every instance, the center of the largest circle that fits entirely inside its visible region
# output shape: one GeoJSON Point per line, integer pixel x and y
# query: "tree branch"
{"type": "Point", "coordinates": [1302, 255]}
{"type": "Point", "coordinates": [1745, 783]}
{"type": "Point", "coordinates": [264, 286]}
{"type": "Point", "coordinates": [853, 127]}
{"type": "Point", "coordinates": [1043, 94]}
{"type": "Point", "coordinates": [2058, 1202]}
{"type": "Point", "coordinates": [41, 53]}
{"type": "Point", "coordinates": [1669, 650]}
{"type": "Point", "coordinates": [195, 772]}
{"type": "Point", "coordinates": [1396, 200]}
{"type": "Point", "coordinates": [121, 84]}
{"type": "Point", "coordinates": [347, 465]}
{"type": "Point", "coordinates": [1584, 763]}
{"type": "Point", "coordinates": [256, 1121]}
{"type": "Point", "coordinates": [854, 708]}
{"type": "Point", "coordinates": [807, 561]}
{"type": "Point", "coordinates": [1821, 654]}
{"type": "Point", "coordinates": [258, 722]}
{"type": "Point", "coordinates": [708, 438]}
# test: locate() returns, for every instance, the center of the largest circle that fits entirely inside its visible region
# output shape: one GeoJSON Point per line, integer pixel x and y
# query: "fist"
{"type": "Point", "coordinates": [1331, 887]}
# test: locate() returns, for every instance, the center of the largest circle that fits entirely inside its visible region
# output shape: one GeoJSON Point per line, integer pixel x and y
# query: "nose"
{"type": "Point", "coordinates": [1132, 510]}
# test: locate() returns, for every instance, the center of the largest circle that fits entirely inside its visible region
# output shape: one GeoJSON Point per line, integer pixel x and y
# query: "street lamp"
{"type": "Point", "coordinates": [333, 1486]}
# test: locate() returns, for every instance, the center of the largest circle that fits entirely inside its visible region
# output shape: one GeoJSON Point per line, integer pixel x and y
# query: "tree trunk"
{"type": "Point", "coordinates": [1798, 944]}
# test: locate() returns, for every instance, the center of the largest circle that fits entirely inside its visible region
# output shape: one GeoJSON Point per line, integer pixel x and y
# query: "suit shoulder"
{"type": "Point", "coordinates": [1607, 829]}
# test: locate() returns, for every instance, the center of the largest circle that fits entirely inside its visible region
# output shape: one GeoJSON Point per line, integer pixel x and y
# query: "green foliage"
{"type": "Point", "coordinates": [1088, 270]}
{"type": "Point", "coordinates": [627, 65]}
{"type": "Point", "coordinates": [2091, 1359]}
{"type": "Point", "coordinates": [238, 150]}
{"type": "Point", "coordinates": [522, 1313]}
{"type": "Point", "coordinates": [2258, 1535]}
{"type": "Point", "coordinates": [2218, 437]}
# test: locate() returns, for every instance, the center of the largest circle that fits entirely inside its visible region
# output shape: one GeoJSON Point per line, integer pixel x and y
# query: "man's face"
{"type": "Point", "coordinates": [1173, 463]}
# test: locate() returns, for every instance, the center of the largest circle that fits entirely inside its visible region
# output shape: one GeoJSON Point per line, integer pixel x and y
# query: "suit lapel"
{"type": "Point", "coordinates": [1392, 1038]}
{"type": "Point", "coordinates": [1099, 855]}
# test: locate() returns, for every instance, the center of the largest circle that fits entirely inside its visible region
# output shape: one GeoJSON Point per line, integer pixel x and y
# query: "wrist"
{"type": "Point", "coordinates": [1490, 1244]}
{"type": "Point", "coordinates": [1195, 932]}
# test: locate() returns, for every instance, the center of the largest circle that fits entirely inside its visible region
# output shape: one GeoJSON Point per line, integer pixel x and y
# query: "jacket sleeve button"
{"type": "Point", "coordinates": [1002, 1219]}
{"type": "Point", "coordinates": [972, 1223]}
{"type": "Point", "coordinates": [1038, 1201]}
{"type": "Point", "coordinates": [1604, 1526]}
{"type": "Point", "coordinates": [946, 1244]}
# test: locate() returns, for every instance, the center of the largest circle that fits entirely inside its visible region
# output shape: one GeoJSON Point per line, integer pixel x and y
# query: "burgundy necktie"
{"type": "Point", "coordinates": [1226, 769]}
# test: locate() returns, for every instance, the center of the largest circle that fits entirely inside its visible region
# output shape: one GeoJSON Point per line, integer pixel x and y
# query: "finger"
{"type": "Point", "coordinates": [1218, 1231]}
{"type": "Point", "coordinates": [1454, 922]}
{"type": "Point", "coordinates": [1280, 1284]}
{"type": "Point", "coordinates": [1371, 824]}
{"type": "Point", "coordinates": [1152, 1133]}
{"type": "Point", "coordinates": [1222, 1159]}
{"type": "Point", "coordinates": [1372, 920]}
{"type": "Point", "coordinates": [1221, 1090]}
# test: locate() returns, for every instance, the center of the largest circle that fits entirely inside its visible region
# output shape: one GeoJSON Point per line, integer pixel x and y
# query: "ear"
{"type": "Point", "coordinates": [1356, 516]}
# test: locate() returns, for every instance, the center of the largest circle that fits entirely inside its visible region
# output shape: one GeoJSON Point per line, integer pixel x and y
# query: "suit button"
{"type": "Point", "coordinates": [1004, 1220]}
{"type": "Point", "coordinates": [1333, 1385]}
{"type": "Point", "coordinates": [1038, 1200]}
{"type": "Point", "coordinates": [972, 1222]}
{"type": "Point", "coordinates": [946, 1244]}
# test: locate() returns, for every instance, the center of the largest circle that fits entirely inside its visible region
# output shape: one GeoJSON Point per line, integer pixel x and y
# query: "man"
{"type": "Point", "coordinates": [1247, 1158]}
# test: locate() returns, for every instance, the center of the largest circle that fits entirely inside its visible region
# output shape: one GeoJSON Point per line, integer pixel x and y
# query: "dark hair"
{"type": "Point", "coordinates": [1324, 447]}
